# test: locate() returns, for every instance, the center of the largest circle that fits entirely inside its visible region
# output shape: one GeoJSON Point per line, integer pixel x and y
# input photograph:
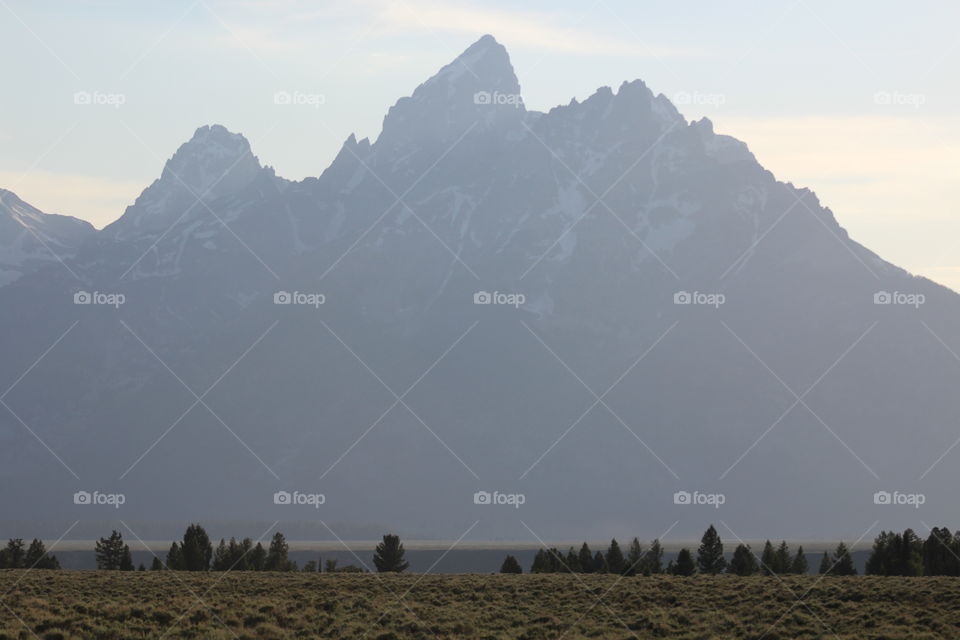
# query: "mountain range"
{"type": "Point", "coordinates": [601, 307]}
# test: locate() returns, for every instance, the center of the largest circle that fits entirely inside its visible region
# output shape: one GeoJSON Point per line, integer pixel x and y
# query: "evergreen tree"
{"type": "Point", "coordinates": [258, 558]}
{"type": "Point", "coordinates": [156, 565]}
{"type": "Point", "coordinates": [653, 560]}
{"type": "Point", "coordinates": [37, 557]}
{"type": "Point", "coordinates": [110, 552]}
{"type": "Point", "coordinates": [174, 558]}
{"type": "Point", "coordinates": [573, 561]}
{"type": "Point", "coordinates": [600, 563]}
{"type": "Point", "coordinates": [541, 563]}
{"type": "Point", "coordinates": [614, 558]}
{"type": "Point", "coordinates": [684, 565]}
{"type": "Point", "coordinates": [825, 564]}
{"type": "Point", "coordinates": [768, 559]}
{"type": "Point", "coordinates": [13, 556]}
{"type": "Point", "coordinates": [330, 566]}
{"type": "Point", "coordinates": [938, 553]}
{"type": "Point", "coordinates": [196, 549]}
{"type": "Point", "coordinates": [710, 554]}
{"type": "Point", "coordinates": [799, 563]}
{"type": "Point", "coordinates": [221, 557]}
{"type": "Point", "coordinates": [634, 558]}
{"type": "Point", "coordinates": [510, 565]}
{"type": "Point", "coordinates": [842, 562]}
{"type": "Point", "coordinates": [389, 555]}
{"type": "Point", "coordinates": [140, 567]}
{"type": "Point", "coordinates": [743, 562]}
{"type": "Point", "coordinates": [781, 559]}
{"type": "Point", "coordinates": [126, 559]}
{"type": "Point", "coordinates": [310, 566]}
{"type": "Point", "coordinates": [586, 559]}
{"type": "Point", "coordinates": [277, 554]}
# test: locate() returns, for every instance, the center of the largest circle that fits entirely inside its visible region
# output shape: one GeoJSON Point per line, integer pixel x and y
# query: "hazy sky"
{"type": "Point", "coordinates": [858, 101]}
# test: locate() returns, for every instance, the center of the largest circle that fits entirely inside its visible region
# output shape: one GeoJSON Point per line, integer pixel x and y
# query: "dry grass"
{"type": "Point", "coordinates": [258, 606]}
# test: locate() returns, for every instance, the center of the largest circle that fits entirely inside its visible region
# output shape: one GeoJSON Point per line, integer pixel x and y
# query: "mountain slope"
{"type": "Point", "coordinates": [30, 239]}
{"type": "Point", "coordinates": [598, 396]}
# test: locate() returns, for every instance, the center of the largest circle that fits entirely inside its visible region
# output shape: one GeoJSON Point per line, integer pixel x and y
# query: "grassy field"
{"type": "Point", "coordinates": [80, 604]}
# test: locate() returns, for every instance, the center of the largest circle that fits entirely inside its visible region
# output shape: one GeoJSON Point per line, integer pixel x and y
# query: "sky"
{"type": "Point", "coordinates": [857, 101]}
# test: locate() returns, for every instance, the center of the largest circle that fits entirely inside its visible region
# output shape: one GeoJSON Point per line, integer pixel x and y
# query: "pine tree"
{"type": "Point", "coordinates": [600, 563]}
{"type": "Point", "coordinates": [140, 567]}
{"type": "Point", "coordinates": [710, 554]}
{"type": "Point", "coordinates": [684, 565]}
{"type": "Point", "coordinates": [634, 558]}
{"type": "Point", "coordinates": [541, 564]}
{"type": "Point", "coordinates": [768, 559]}
{"type": "Point", "coordinates": [842, 562]}
{"type": "Point", "coordinates": [781, 559]}
{"type": "Point", "coordinates": [126, 559]}
{"type": "Point", "coordinates": [258, 558]}
{"type": "Point", "coordinates": [389, 555]}
{"type": "Point", "coordinates": [743, 562]}
{"type": "Point", "coordinates": [653, 560]}
{"type": "Point", "coordinates": [614, 558]}
{"type": "Point", "coordinates": [174, 558]}
{"type": "Point", "coordinates": [12, 556]}
{"type": "Point", "coordinates": [825, 564]}
{"type": "Point", "coordinates": [510, 565]}
{"type": "Point", "coordinates": [310, 566]}
{"type": "Point", "coordinates": [330, 566]}
{"type": "Point", "coordinates": [38, 558]}
{"type": "Point", "coordinates": [277, 554]}
{"type": "Point", "coordinates": [110, 552]}
{"type": "Point", "coordinates": [156, 565]}
{"type": "Point", "coordinates": [586, 559]}
{"type": "Point", "coordinates": [221, 557]}
{"type": "Point", "coordinates": [573, 561]}
{"type": "Point", "coordinates": [938, 553]}
{"type": "Point", "coordinates": [196, 549]}
{"type": "Point", "coordinates": [799, 563]}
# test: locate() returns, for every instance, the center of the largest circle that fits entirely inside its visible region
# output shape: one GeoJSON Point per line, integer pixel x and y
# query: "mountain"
{"type": "Point", "coordinates": [31, 239]}
{"type": "Point", "coordinates": [674, 319]}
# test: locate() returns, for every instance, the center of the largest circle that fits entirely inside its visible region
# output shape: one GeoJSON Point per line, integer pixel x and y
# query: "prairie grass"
{"type": "Point", "coordinates": [64, 605]}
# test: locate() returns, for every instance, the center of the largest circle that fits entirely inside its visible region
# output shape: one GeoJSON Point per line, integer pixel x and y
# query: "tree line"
{"type": "Point", "coordinates": [195, 552]}
{"type": "Point", "coordinates": [710, 559]}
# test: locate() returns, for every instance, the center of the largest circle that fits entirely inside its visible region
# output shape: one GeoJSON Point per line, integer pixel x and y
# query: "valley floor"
{"type": "Point", "coordinates": [52, 605]}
